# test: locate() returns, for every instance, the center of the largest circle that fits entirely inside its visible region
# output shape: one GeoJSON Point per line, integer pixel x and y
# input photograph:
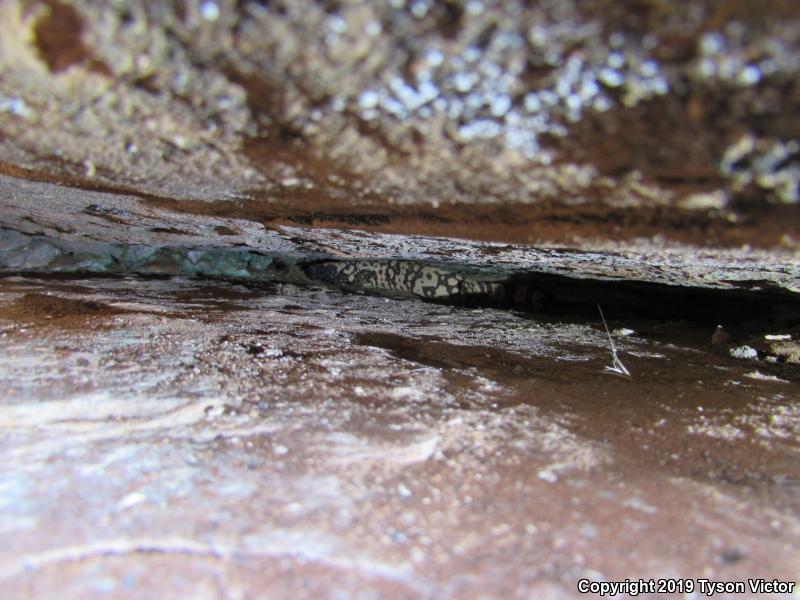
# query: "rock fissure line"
{"type": "Point", "coordinates": [754, 304]}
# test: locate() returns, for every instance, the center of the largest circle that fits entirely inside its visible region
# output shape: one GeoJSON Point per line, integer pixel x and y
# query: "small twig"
{"type": "Point", "coordinates": [617, 368]}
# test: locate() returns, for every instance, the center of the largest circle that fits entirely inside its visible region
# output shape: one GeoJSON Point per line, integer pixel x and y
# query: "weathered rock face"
{"type": "Point", "coordinates": [173, 437]}
{"type": "Point", "coordinates": [55, 228]}
{"type": "Point", "coordinates": [646, 115]}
